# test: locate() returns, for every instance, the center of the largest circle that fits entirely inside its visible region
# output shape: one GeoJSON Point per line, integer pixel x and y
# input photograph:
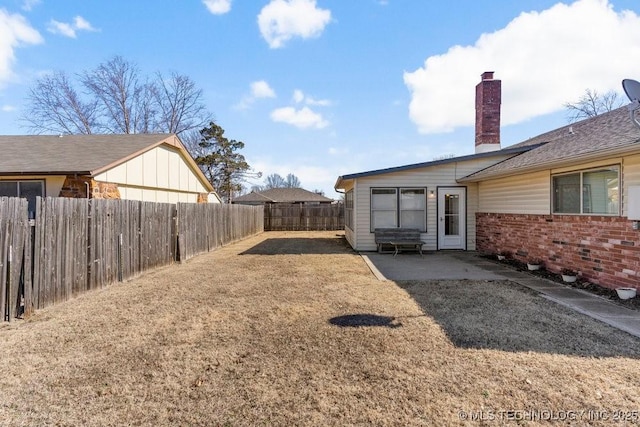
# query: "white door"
{"type": "Point", "coordinates": [452, 219]}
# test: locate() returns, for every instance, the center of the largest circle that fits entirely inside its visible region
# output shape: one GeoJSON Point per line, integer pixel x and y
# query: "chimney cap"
{"type": "Point", "coordinates": [487, 75]}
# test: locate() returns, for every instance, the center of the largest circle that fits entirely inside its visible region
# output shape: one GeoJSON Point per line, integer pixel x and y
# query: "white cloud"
{"type": "Point", "coordinates": [261, 89]}
{"type": "Point", "coordinates": [8, 108]}
{"type": "Point", "coordinates": [70, 29]}
{"type": "Point", "coordinates": [281, 20]}
{"type": "Point", "coordinates": [218, 7]}
{"type": "Point", "coordinates": [544, 60]}
{"type": "Point", "coordinates": [15, 32]}
{"type": "Point", "coordinates": [299, 97]}
{"type": "Point", "coordinates": [82, 24]}
{"type": "Point", "coordinates": [303, 118]}
{"type": "Point", "coordinates": [28, 5]}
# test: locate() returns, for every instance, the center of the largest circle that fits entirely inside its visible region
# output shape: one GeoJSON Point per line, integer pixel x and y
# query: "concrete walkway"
{"type": "Point", "coordinates": [469, 265]}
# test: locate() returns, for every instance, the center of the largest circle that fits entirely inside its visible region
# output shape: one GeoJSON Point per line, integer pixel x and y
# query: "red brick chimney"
{"type": "Point", "coordinates": [488, 99]}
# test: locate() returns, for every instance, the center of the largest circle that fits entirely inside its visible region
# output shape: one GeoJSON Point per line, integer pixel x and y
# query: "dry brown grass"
{"type": "Point", "coordinates": [250, 335]}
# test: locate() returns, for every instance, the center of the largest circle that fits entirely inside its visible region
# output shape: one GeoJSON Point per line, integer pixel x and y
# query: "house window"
{"type": "Point", "coordinates": [588, 192]}
{"type": "Point", "coordinates": [413, 205]}
{"type": "Point", "coordinates": [398, 207]}
{"type": "Point", "coordinates": [27, 189]}
{"type": "Point", "coordinates": [384, 208]}
{"type": "Point", "coordinates": [348, 209]}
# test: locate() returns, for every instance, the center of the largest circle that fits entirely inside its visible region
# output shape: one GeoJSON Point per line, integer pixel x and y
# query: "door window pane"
{"type": "Point", "coordinates": [451, 214]}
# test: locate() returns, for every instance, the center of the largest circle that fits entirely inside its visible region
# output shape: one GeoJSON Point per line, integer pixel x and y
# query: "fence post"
{"type": "Point", "coordinates": [120, 260]}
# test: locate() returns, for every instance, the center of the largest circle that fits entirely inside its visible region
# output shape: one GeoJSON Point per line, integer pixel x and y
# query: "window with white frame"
{"type": "Point", "coordinates": [348, 209]}
{"type": "Point", "coordinates": [595, 191]}
{"type": "Point", "coordinates": [399, 207]}
{"type": "Point", "coordinates": [27, 189]}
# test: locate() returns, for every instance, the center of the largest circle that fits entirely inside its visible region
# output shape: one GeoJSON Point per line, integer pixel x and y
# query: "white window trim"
{"type": "Point", "coordinates": [398, 210]}
{"type": "Point", "coordinates": [581, 173]}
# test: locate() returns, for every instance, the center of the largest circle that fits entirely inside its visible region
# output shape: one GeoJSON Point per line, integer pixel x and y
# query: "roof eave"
{"type": "Point", "coordinates": [591, 156]}
{"type": "Point", "coordinates": [505, 151]}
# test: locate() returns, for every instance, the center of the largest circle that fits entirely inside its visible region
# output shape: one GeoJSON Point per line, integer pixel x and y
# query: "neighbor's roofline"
{"type": "Point", "coordinates": [515, 150]}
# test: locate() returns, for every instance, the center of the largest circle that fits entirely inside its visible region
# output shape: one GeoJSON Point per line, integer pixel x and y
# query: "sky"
{"type": "Point", "coordinates": [323, 88]}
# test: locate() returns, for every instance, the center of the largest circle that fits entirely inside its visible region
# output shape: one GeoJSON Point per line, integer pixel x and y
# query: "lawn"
{"type": "Point", "coordinates": [293, 329]}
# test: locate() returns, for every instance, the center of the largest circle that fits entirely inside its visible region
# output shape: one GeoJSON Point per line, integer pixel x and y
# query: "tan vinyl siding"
{"type": "Point", "coordinates": [431, 177]}
{"type": "Point", "coordinates": [521, 194]}
{"type": "Point", "coordinates": [630, 176]}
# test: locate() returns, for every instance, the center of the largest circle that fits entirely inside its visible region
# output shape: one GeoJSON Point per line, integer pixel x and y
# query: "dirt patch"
{"type": "Point", "coordinates": [272, 331]}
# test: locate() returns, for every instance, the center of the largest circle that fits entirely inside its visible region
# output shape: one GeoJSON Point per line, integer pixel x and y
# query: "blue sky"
{"type": "Point", "coordinates": [329, 87]}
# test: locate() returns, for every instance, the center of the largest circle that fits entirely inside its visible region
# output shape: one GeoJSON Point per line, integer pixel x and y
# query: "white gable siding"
{"type": "Point", "coordinates": [431, 177]}
{"type": "Point", "coordinates": [522, 194]}
{"type": "Point", "coordinates": [147, 177]}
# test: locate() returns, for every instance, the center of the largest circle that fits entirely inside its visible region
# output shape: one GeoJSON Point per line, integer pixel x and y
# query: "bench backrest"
{"type": "Point", "coordinates": [390, 234]}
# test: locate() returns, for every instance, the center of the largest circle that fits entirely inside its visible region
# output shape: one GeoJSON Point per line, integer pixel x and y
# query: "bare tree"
{"type": "Point", "coordinates": [115, 85]}
{"type": "Point", "coordinates": [274, 181]}
{"type": "Point", "coordinates": [591, 104]}
{"type": "Point", "coordinates": [56, 107]}
{"type": "Point", "coordinates": [292, 181]}
{"type": "Point", "coordinates": [277, 181]}
{"type": "Point", "coordinates": [180, 104]}
{"type": "Point", "coordinates": [118, 101]}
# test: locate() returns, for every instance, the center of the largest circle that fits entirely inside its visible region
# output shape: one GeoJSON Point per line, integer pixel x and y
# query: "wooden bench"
{"type": "Point", "coordinates": [399, 238]}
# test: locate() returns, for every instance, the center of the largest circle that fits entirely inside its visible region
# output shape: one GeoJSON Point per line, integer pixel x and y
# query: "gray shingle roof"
{"type": "Point", "coordinates": [283, 195]}
{"type": "Point", "coordinates": [589, 139]}
{"type": "Point", "coordinates": [82, 154]}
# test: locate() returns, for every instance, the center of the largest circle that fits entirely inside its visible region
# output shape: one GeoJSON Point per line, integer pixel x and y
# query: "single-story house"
{"type": "Point", "coordinates": [570, 196]}
{"type": "Point", "coordinates": [147, 167]}
{"type": "Point", "coordinates": [282, 195]}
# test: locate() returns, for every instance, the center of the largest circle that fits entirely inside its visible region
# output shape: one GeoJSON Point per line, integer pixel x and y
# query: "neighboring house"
{"type": "Point", "coordinates": [147, 167]}
{"type": "Point", "coordinates": [282, 195]}
{"type": "Point", "coordinates": [563, 196]}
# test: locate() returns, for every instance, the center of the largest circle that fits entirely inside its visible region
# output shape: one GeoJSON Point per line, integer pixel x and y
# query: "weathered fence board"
{"type": "Point", "coordinates": [60, 250]}
{"type": "Point", "coordinates": [76, 245]}
{"type": "Point", "coordinates": [303, 217]}
{"type": "Point", "coordinates": [15, 255]}
{"type": "Point", "coordinates": [204, 227]}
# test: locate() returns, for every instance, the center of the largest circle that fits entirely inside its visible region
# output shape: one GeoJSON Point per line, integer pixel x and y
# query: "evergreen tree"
{"type": "Point", "coordinates": [221, 162]}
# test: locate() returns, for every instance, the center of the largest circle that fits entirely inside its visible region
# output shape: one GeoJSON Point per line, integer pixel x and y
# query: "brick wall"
{"type": "Point", "coordinates": [605, 250]}
{"type": "Point", "coordinates": [76, 187]}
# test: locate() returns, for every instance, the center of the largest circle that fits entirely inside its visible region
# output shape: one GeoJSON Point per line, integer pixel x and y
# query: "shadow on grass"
{"type": "Point", "coordinates": [503, 315]}
{"type": "Point", "coordinates": [365, 319]}
{"type": "Point", "coordinates": [300, 245]}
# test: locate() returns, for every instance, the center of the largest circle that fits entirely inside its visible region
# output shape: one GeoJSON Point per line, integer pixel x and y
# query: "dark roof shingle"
{"type": "Point", "coordinates": [86, 154]}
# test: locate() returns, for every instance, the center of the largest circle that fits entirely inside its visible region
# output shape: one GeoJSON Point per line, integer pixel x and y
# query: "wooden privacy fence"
{"type": "Point", "coordinates": [81, 244]}
{"type": "Point", "coordinates": [203, 227]}
{"type": "Point", "coordinates": [303, 217]}
{"type": "Point", "coordinates": [15, 255]}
